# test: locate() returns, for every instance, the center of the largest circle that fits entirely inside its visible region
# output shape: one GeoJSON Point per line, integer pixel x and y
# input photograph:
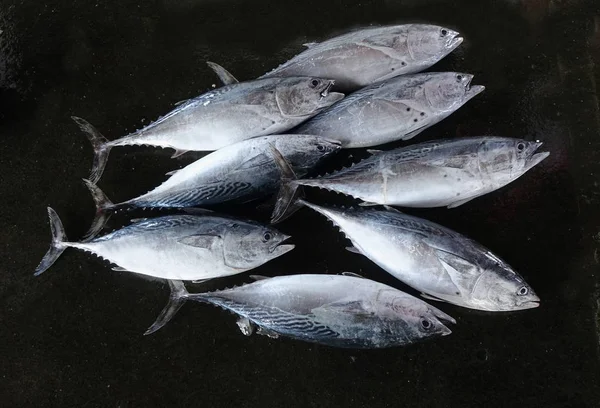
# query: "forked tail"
{"type": "Point", "coordinates": [177, 298]}
{"type": "Point", "coordinates": [103, 208]}
{"type": "Point", "coordinates": [57, 246]}
{"type": "Point", "coordinates": [289, 190]}
{"type": "Point", "coordinates": [100, 145]}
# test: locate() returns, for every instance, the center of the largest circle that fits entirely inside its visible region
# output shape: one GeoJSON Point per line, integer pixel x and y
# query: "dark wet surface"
{"type": "Point", "coordinates": [73, 336]}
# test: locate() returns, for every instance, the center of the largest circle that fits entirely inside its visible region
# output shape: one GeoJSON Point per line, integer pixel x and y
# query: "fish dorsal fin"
{"type": "Point", "coordinates": [310, 44]}
{"type": "Point", "coordinates": [354, 250]}
{"type": "Point", "coordinates": [178, 153]}
{"type": "Point", "coordinates": [180, 102]}
{"type": "Point", "coordinates": [203, 241]}
{"type": "Point", "coordinates": [374, 151]}
{"type": "Point", "coordinates": [224, 75]}
{"type": "Point", "coordinates": [134, 220]}
{"type": "Point", "coordinates": [170, 173]}
{"type": "Point", "coordinates": [354, 275]}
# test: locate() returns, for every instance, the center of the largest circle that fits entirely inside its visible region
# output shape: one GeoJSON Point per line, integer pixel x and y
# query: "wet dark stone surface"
{"type": "Point", "coordinates": [73, 336]}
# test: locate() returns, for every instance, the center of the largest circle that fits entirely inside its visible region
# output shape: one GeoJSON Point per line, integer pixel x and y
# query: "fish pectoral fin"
{"type": "Point", "coordinates": [266, 332]}
{"type": "Point", "coordinates": [203, 241]}
{"type": "Point", "coordinates": [255, 161]}
{"type": "Point", "coordinates": [355, 250]}
{"type": "Point", "coordinates": [170, 173]}
{"type": "Point", "coordinates": [246, 326]}
{"type": "Point", "coordinates": [460, 202]}
{"type": "Point", "coordinates": [352, 307]}
{"type": "Point", "coordinates": [354, 275]}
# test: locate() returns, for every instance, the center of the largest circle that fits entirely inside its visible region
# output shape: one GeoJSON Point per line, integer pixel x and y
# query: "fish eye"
{"type": "Point", "coordinates": [314, 83]}
{"type": "Point", "coordinates": [320, 148]}
{"type": "Point", "coordinates": [521, 147]}
{"type": "Point", "coordinates": [444, 32]}
{"type": "Point", "coordinates": [459, 77]}
{"type": "Point", "coordinates": [522, 291]}
{"type": "Point", "coordinates": [426, 324]}
{"type": "Point", "coordinates": [267, 236]}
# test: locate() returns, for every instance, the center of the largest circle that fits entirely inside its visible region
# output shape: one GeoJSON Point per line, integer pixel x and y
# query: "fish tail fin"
{"type": "Point", "coordinates": [290, 191]}
{"type": "Point", "coordinates": [101, 147]}
{"type": "Point", "coordinates": [177, 298]}
{"type": "Point", "coordinates": [103, 208]}
{"type": "Point", "coordinates": [57, 246]}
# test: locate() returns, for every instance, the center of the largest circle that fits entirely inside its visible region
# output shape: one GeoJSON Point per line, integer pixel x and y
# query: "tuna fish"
{"type": "Point", "coordinates": [335, 310]}
{"type": "Point", "coordinates": [185, 247]}
{"type": "Point", "coordinates": [224, 116]}
{"type": "Point", "coordinates": [444, 173]}
{"type": "Point", "coordinates": [360, 58]}
{"type": "Point", "coordinates": [397, 109]}
{"type": "Point", "coordinates": [441, 263]}
{"type": "Point", "coordinates": [242, 171]}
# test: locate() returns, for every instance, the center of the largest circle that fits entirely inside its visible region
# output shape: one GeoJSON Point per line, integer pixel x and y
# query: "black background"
{"type": "Point", "coordinates": [73, 336]}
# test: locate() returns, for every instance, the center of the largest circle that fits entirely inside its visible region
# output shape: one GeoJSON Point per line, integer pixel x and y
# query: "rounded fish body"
{"type": "Point", "coordinates": [242, 171]}
{"type": "Point", "coordinates": [360, 58]}
{"type": "Point", "coordinates": [188, 247]}
{"type": "Point", "coordinates": [237, 112]}
{"type": "Point", "coordinates": [396, 109]}
{"type": "Point", "coordinates": [435, 174]}
{"type": "Point", "coordinates": [336, 310]}
{"type": "Point", "coordinates": [435, 260]}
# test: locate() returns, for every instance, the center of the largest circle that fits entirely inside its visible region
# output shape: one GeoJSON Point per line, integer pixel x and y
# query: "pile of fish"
{"type": "Point", "coordinates": [267, 136]}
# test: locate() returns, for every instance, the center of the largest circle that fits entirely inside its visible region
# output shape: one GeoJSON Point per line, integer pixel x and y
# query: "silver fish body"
{"type": "Point", "coordinates": [185, 247]}
{"type": "Point", "coordinates": [360, 58]}
{"type": "Point", "coordinates": [242, 171]}
{"type": "Point", "coordinates": [444, 173]}
{"type": "Point", "coordinates": [396, 109]}
{"type": "Point", "coordinates": [433, 259]}
{"type": "Point", "coordinates": [335, 310]}
{"type": "Point", "coordinates": [224, 116]}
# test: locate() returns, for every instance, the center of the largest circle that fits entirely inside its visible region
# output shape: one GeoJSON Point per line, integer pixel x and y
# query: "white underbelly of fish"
{"type": "Point", "coordinates": [175, 261]}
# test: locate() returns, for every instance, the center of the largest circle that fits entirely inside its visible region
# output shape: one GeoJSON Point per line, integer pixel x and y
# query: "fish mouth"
{"type": "Point", "coordinates": [325, 91]}
{"type": "Point", "coordinates": [446, 318]}
{"type": "Point", "coordinates": [454, 41]}
{"type": "Point", "coordinates": [280, 248]}
{"type": "Point", "coordinates": [536, 158]}
{"type": "Point", "coordinates": [474, 90]}
{"type": "Point", "coordinates": [444, 330]}
{"type": "Point", "coordinates": [529, 304]}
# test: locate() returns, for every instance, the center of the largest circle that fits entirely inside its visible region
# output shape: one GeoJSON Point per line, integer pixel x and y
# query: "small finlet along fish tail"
{"type": "Point", "coordinates": [103, 208]}
{"type": "Point", "coordinates": [177, 298]}
{"type": "Point", "coordinates": [57, 246]}
{"type": "Point", "coordinates": [289, 190]}
{"type": "Point", "coordinates": [101, 147]}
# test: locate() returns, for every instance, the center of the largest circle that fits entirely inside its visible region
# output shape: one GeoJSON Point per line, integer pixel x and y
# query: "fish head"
{"type": "Point", "coordinates": [304, 97]}
{"type": "Point", "coordinates": [427, 44]}
{"type": "Point", "coordinates": [506, 159]}
{"type": "Point", "coordinates": [445, 92]}
{"type": "Point", "coordinates": [305, 151]}
{"type": "Point", "coordinates": [500, 288]}
{"type": "Point", "coordinates": [249, 245]}
{"type": "Point", "coordinates": [410, 317]}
